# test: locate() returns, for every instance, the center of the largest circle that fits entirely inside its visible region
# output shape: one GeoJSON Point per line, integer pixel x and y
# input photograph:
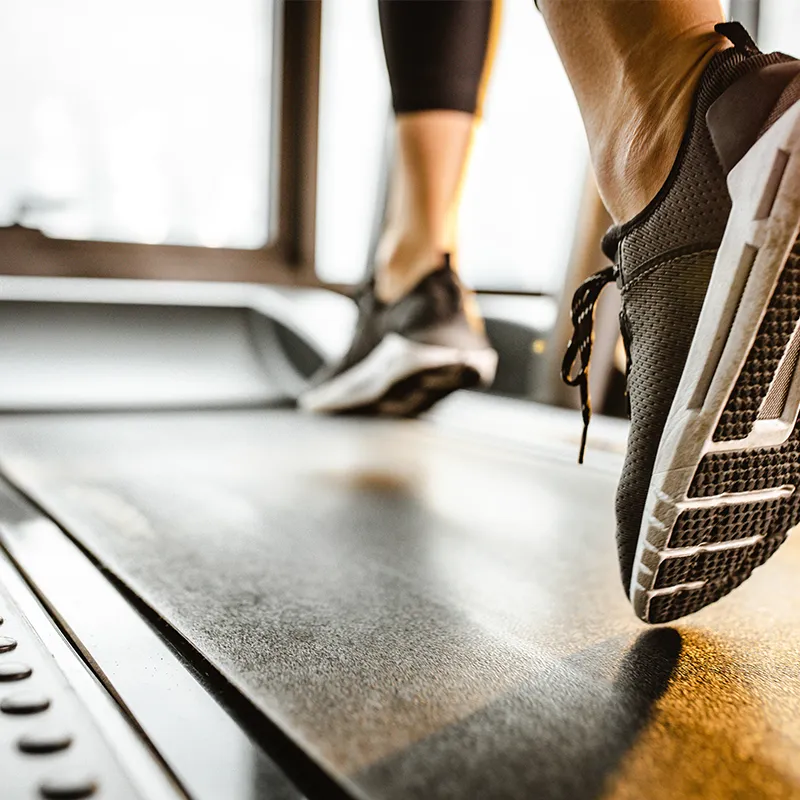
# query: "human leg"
{"type": "Point", "coordinates": [438, 55]}
{"type": "Point", "coordinates": [709, 279]}
{"type": "Point", "coordinates": [418, 336]}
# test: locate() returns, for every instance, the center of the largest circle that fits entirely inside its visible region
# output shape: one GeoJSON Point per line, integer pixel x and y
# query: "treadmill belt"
{"type": "Point", "coordinates": [426, 614]}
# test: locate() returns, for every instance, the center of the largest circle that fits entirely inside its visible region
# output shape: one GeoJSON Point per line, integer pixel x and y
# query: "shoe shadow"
{"type": "Point", "coordinates": [560, 734]}
{"type": "Point", "coordinates": [727, 726]}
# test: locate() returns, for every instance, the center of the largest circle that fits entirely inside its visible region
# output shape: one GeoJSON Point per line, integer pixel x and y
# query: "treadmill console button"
{"type": "Point", "coordinates": [7, 643]}
{"type": "Point", "coordinates": [72, 786]}
{"type": "Point", "coordinates": [41, 742]}
{"type": "Point", "coordinates": [24, 703]}
{"type": "Point", "coordinates": [14, 671]}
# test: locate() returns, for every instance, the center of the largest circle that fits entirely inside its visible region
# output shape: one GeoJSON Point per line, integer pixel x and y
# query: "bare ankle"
{"type": "Point", "coordinates": [398, 271]}
{"type": "Point", "coordinates": [635, 146]}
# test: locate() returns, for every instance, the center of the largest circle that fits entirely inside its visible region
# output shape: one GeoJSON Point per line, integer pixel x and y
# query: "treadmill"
{"type": "Point", "coordinates": [206, 594]}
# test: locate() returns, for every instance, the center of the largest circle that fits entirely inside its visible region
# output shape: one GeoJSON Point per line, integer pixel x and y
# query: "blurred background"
{"type": "Point", "coordinates": [248, 140]}
{"type": "Point", "coordinates": [154, 123]}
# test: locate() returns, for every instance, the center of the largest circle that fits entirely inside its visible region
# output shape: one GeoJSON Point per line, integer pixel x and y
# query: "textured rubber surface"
{"type": "Point", "coordinates": [402, 378]}
{"type": "Point", "coordinates": [698, 526]}
{"type": "Point", "coordinates": [754, 380]}
{"type": "Point", "coordinates": [734, 471]}
{"type": "Point", "coordinates": [666, 607]}
{"type": "Point", "coordinates": [722, 498]}
{"type": "Point", "coordinates": [417, 393]}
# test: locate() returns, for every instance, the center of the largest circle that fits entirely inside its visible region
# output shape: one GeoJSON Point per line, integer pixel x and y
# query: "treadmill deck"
{"type": "Point", "coordinates": [425, 613]}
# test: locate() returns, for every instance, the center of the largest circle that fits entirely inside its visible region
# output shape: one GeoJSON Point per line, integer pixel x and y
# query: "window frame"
{"type": "Point", "coordinates": [288, 258]}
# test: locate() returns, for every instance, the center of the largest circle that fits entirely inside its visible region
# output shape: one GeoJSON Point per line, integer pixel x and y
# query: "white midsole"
{"type": "Point", "coordinates": [747, 268]}
{"type": "Point", "coordinates": [393, 360]}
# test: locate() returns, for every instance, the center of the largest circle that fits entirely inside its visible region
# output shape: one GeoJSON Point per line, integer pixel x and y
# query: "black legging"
{"type": "Point", "coordinates": [438, 52]}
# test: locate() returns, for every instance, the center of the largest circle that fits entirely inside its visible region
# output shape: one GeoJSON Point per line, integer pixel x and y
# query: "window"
{"type": "Point", "coordinates": [143, 122]}
{"type": "Point", "coordinates": [779, 26]}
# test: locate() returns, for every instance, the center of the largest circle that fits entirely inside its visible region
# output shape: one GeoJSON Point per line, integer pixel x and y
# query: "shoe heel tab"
{"type": "Point", "coordinates": [736, 118]}
{"type": "Point", "coordinates": [738, 36]}
{"type": "Point", "coordinates": [448, 273]}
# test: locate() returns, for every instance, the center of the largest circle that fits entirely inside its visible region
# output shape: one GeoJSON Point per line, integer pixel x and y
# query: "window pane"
{"type": "Point", "coordinates": [524, 183]}
{"type": "Point", "coordinates": [353, 114]}
{"type": "Point", "coordinates": [143, 122]}
{"type": "Point", "coordinates": [779, 26]}
{"type": "Point", "coordinates": [521, 196]}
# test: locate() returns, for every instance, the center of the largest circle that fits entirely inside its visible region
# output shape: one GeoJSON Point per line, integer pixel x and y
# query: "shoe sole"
{"type": "Point", "coordinates": [402, 378]}
{"type": "Point", "coordinates": [722, 497]}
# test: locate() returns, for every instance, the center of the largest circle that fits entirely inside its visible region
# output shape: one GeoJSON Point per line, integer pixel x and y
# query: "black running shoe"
{"type": "Point", "coordinates": [710, 280]}
{"type": "Point", "coordinates": [407, 355]}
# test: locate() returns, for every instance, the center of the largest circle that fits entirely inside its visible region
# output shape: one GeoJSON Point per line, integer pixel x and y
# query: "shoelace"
{"type": "Point", "coordinates": [583, 307]}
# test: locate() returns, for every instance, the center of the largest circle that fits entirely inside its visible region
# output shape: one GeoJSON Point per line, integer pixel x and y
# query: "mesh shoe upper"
{"type": "Point", "coordinates": [664, 257]}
